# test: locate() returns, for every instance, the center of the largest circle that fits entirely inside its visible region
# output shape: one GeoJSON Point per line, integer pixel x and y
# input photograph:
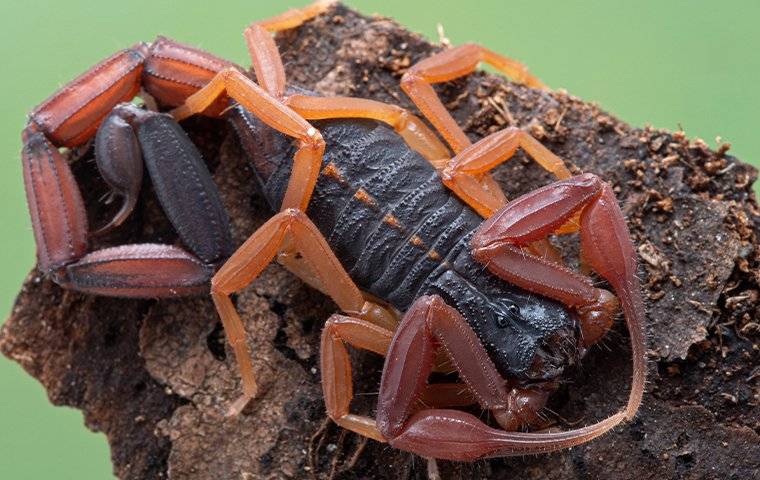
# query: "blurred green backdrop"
{"type": "Point", "coordinates": [689, 64]}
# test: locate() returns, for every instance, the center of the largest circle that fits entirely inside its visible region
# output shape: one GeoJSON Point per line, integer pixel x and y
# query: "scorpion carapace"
{"type": "Point", "coordinates": [394, 217]}
{"type": "Point", "coordinates": [400, 233]}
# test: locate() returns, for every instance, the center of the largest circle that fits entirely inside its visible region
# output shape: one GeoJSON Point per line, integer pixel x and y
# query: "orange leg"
{"type": "Point", "coordinates": [295, 17]}
{"type": "Point", "coordinates": [266, 103]}
{"type": "Point", "coordinates": [448, 65]}
{"type": "Point", "coordinates": [414, 132]}
{"type": "Point", "coordinates": [307, 159]}
{"type": "Point", "coordinates": [292, 232]}
{"type": "Point", "coordinates": [289, 115]}
{"type": "Point", "coordinates": [270, 73]}
{"type": "Point", "coordinates": [335, 365]}
{"type": "Point", "coordinates": [337, 383]}
{"type": "Point", "coordinates": [475, 186]}
{"type": "Point", "coordinates": [265, 58]}
{"type": "Point", "coordinates": [467, 173]}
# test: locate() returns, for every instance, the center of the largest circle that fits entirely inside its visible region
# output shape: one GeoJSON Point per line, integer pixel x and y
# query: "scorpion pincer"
{"type": "Point", "coordinates": [373, 208]}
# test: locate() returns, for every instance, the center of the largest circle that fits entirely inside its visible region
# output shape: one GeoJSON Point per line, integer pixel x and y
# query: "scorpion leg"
{"type": "Point", "coordinates": [448, 65]}
{"type": "Point", "coordinates": [265, 57]}
{"type": "Point", "coordinates": [289, 115]}
{"type": "Point", "coordinates": [467, 174]}
{"type": "Point", "coordinates": [335, 365]}
{"type": "Point", "coordinates": [265, 60]}
{"type": "Point", "coordinates": [606, 247]}
{"type": "Point", "coordinates": [290, 231]}
{"type": "Point", "coordinates": [297, 16]}
{"type": "Point", "coordinates": [414, 132]}
{"type": "Point", "coordinates": [266, 101]}
{"type": "Point", "coordinates": [270, 73]}
{"type": "Point", "coordinates": [337, 384]}
{"type": "Point", "coordinates": [307, 159]}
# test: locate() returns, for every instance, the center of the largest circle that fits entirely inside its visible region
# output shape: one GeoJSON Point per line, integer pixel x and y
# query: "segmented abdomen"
{"type": "Point", "coordinates": [382, 208]}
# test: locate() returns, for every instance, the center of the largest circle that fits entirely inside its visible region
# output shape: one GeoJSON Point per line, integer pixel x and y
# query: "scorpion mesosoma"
{"type": "Point", "coordinates": [385, 226]}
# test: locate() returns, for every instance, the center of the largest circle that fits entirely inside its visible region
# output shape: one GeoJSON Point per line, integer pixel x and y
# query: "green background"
{"type": "Point", "coordinates": [672, 64]}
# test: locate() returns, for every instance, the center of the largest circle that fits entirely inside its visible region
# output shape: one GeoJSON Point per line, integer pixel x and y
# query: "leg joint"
{"type": "Point", "coordinates": [219, 287]}
{"type": "Point", "coordinates": [410, 78]}
{"type": "Point", "coordinates": [228, 73]}
{"type": "Point", "coordinates": [294, 214]}
{"type": "Point", "coordinates": [312, 140]}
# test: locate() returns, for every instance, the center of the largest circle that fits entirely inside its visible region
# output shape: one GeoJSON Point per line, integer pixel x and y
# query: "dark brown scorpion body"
{"type": "Point", "coordinates": [373, 211]}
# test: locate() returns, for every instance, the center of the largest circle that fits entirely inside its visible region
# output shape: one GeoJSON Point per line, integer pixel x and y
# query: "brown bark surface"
{"type": "Point", "coordinates": [155, 376]}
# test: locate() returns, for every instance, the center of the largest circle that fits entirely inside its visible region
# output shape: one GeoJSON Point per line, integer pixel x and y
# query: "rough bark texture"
{"type": "Point", "coordinates": [154, 376]}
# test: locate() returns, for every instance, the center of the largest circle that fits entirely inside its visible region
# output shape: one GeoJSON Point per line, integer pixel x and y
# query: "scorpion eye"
{"type": "Point", "coordinates": [507, 314]}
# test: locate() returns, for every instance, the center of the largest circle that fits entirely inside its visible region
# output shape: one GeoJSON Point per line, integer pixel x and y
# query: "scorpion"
{"type": "Point", "coordinates": [375, 211]}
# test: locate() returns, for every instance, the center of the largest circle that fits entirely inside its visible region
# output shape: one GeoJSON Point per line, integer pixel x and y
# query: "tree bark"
{"type": "Point", "coordinates": [155, 376]}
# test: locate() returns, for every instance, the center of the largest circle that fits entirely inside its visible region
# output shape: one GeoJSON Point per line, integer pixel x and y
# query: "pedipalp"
{"type": "Point", "coordinates": [128, 137]}
{"type": "Point", "coordinates": [70, 118]}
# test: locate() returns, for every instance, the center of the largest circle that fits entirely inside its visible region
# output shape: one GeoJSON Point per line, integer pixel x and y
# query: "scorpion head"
{"type": "Point", "coordinates": [530, 338]}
